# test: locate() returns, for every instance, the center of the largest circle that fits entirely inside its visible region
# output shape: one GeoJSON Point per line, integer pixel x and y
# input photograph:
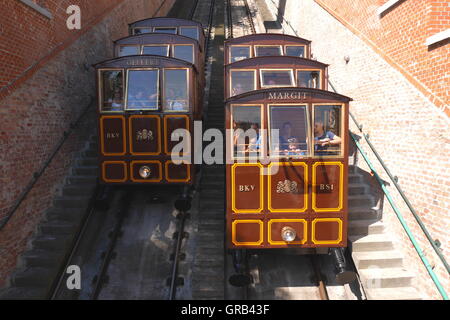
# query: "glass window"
{"type": "Point", "coordinates": [142, 90]}
{"type": "Point", "coordinates": [166, 30]}
{"type": "Point", "coordinates": [128, 51]}
{"type": "Point", "coordinates": [277, 78]}
{"type": "Point", "coordinates": [288, 131]}
{"type": "Point", "coordinates": [176, 96]}
{"type": "Point", "coordinates": [242, 81]}
{"type": "Point", "coordinates": [142, 30]}
{"type": "Point", "coordinates": [327, 130]}
{"type": "Point", "coordinates": [308, 79]}
{"type": "Point", "coordinates": [156, 50]}
{"type": "Point", "coordinates": [295, 51]}
{"type": "Point", "coordinates": [191, 32]}
{"type": "Point", "coordinates": [268, 51]}
{"type": "Point", "coordinates": [112, 90]}
{"type": "Point", "coordinates": [238, 53]}
{"type": "Point", "coordinates": [247, 139]}
{"type": "Point", "coordinates": [184, 52]}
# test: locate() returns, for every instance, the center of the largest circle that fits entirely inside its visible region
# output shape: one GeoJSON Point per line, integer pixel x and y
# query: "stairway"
{"type": "Point", "coordinates": [380, 266]}
{"type": "Point", "coordinates": [55, 236]}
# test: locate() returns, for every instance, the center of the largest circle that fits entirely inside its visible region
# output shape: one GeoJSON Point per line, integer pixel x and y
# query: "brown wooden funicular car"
{"type": "Point", "coordinates": [142, 99]}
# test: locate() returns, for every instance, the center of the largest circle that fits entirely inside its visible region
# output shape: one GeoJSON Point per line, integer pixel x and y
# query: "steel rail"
{"type": "Point", "coordinates": [249, 17]}
{"type": "Point", "coordinates": [176, 257]}
{"type": "Point", "coordinates": [230, 20]}
{"type": "Point", "coordinates": [193, 9]}
{"type": "Point", "coordinates": [321, 284]}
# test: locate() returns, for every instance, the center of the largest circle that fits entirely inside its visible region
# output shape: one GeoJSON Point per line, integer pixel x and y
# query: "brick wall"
{"type": "Point", "coordinates": [46, 81]}
{"type": "Point", "coordinates": [408, 130]}
{"type": "Point", "coordinates": [400, 34]}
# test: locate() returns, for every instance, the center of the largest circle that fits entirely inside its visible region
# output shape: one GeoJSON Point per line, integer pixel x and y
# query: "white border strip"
{"type": "Point", "coordinates": [387, 6]}
{"type": "Point", "coordinates": [438, 37]}
{"type": "Point", "coordinates": [38, 8]}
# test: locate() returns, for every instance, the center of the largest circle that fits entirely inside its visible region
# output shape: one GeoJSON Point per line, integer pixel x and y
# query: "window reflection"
{"type": "Point", "coordinates": [166, 30]}
{"type": "Point", "coordinates": [308, 79]}
{"type": "Point", "coordinates": [327, 130]}
{"type": "Point", "coordinates": [191, 32]}
{"type": "Point", "coordinates": [142, 30]}
{"type": "Point", "coordinates": [295, 51]}
{"type": "Point", "coordinates": [156, 50]}
{"type": "Point", "coordinates": [268, 51]}
{"type": "Point", "coordinates": [176, 90]}
{"type": "Point", "coordinates": [112, 85]}
{"type": "Point", "coordinates": [289, 134]}
{"type": "Point", "coordinates": [142, 91]}
{"type": "Point", "coordinates": [242, 81]}
{"type": "Point", "coordinates": [247, 138]}
{"type": "Point", "coordinates": [128, 51]}
{"type": "Point", "coordinates": [184, 52]}
{"type": "Point", "coordinates": [277, 78]}
{"type": "Point", "coordinates": [239, 53]}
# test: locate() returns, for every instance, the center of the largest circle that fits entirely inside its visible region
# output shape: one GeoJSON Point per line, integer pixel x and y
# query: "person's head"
{"type": "Point", "coordinates": [254, 126]}
{"type": "Point", "coordinates": [171, 93]}
{"type": "Point", "coordinates": [287, 128]}
{"type": "Point", "coordinates": [292, 144]}
{"type": "Point", "coordinates": [319, 128]}
{"type": "Point", "coordinates": [117, 95]}
{"type": "Point", "coordinates": [238, 88]}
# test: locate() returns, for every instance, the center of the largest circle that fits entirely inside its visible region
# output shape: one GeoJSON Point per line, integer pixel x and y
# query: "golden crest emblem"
{"type": "Point", "coordinates": [144, 135]}
{"type": "Point", "coordinates": [287, 186]}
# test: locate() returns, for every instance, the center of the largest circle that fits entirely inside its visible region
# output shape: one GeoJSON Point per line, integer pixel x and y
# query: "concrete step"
{"type": "Point", "coordinates": [87, 161]}
{"type": "Point", "coordinates": [365, 227]}
{"type": "Point", "coordinates": [218, 227]}
{"type": "Point", "coordinates": [354, 178]}
{"type": "Point", "coordinates": [211, 260]}
{"type": "Point", "coordinates": [21, 293]}
{"type": "Point", "coordinates": [41, 258]}
{"type": "Point", "coordinates": [85, 170]}
{"type": "Point", "coordinates": [356, 188]}
{"type": "Point", "coordinates": [401, 293]}
{"type": "Point", "coordinates": [82, 180]}
{"type": "Point", "coordinates": [373, 242]}
{"type": "Point", "coordinates": [58, 227]}
{"type": "Point", "coordinates": [71, 202]}
{"type": "Point", "coordinates": [53, 242]}
{"type": "Point", "coordinates": [78, 190]}
{"type": "Point", "coordinates": [363, 213]}
{"type": "Point", "coordinates": [385, 277]}
{"type": "Point", "coordinates": [360, 200]}
{"type": "Point", "coordinates": [32, 277]}
{"type": "Point", "coordinates": [91, 153]}
{"type": "Point", "coordinates": [66, 214]}
{"type": "Point", "coordinates": [377, 259]}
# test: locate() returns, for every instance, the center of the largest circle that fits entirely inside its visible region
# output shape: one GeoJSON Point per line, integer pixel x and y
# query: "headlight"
{"type": "Point", "coordinates": [288, 234]}
{"type": "Point", "coordinates": [145, 172]}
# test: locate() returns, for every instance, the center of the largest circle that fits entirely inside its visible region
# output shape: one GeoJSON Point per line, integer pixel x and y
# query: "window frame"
{"type": "Point", "coordinates": [163, 92]}
{"type": "Point", "coordinates": [234, 46]}
{"type": "Point", "coordinates": [189, 27]}
{"type": "Point", "coordinates": [296, 45]}
{"type": "Point", "coordinates": [269, 127]}
{"type": "Point", "coordinates": [184, 45]}
{"type": "Point", "coordinates": [340, 135]}
{"type": "Point", "coordinates": [159, 28]}
{"type": "Point", "coordinates": [269, 45]}
{"type": "Point", "coordinates": [255, 81]}
{"type": "Point", "coordinates": [149, 28]}
{"type": "Point", "coordinates": [310, 69]}
{"type": "Point", "coordinates": [100, 89]}
{"type": "Point", "coordinates": [293, 78]}
{"type": "Point", "coordinates": [262, 153]}
{"type": "Point", "coordinates": [156, 45]}
{"type": "Point", "coordinates": [128, 45]}
{"type": "Point", "coordinates": [157, 89]}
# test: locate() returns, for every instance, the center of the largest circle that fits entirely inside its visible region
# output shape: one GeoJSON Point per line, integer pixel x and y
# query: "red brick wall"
{"type": "Point", "coordinates": [400, 34]}
{"type": "Point", "coordinates": [46, 81]}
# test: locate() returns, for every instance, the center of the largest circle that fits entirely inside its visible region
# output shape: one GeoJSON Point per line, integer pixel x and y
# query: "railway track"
{"type": "Point", "coordinates": [239, 19]}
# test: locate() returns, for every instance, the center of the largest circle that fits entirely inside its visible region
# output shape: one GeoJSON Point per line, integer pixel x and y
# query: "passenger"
{"type": "Point", "coordinates": [322, 139]}
{"type": "Point", "coordinates": [286, 135]}
{"type": "Point", "coordinates": [138, 100]}
{"type": "Point", "coordinates": [255, 142]}
{"type": "Point", "coordinates": [293, 147]}
{"type": "Point", "coordinates": [237, 89]}
{"type": "Point", "coordinates": [116, 102]}
{"type": "Point", "coordinates": [174, 101]}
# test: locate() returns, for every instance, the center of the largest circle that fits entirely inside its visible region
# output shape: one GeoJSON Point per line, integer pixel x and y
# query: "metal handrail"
{"type": "Point", "coordinates": [411, 237]}
{"type": "Point", "coordinates": [41, 171]}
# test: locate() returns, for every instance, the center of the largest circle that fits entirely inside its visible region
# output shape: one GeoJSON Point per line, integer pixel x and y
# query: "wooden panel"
{"type": "Point", "coordinates": [145, 135]}
{"type": "Point", "coordinates": [275, 226]}
{"type": "Point", "coordinates": [114, 171]}
{"type": "Point", "coordinates": [155, 171]}
{"type": "Point", "coordinates": [112, 135]}
{"type": "Point", "coordinates": [171, 123]}
{"type": "Point", "coordinates": [327, 231]}
{"type": "Point", "coordinates": [288, 187]}
{"type": "Point", "coordinates": [247, 188]}
{"type": "Point", "coordinates": [178, 172]}
{"type": "Point", "coordinates": [247, 232]}
{"type": "Point", "coordinates": [328, 185]}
